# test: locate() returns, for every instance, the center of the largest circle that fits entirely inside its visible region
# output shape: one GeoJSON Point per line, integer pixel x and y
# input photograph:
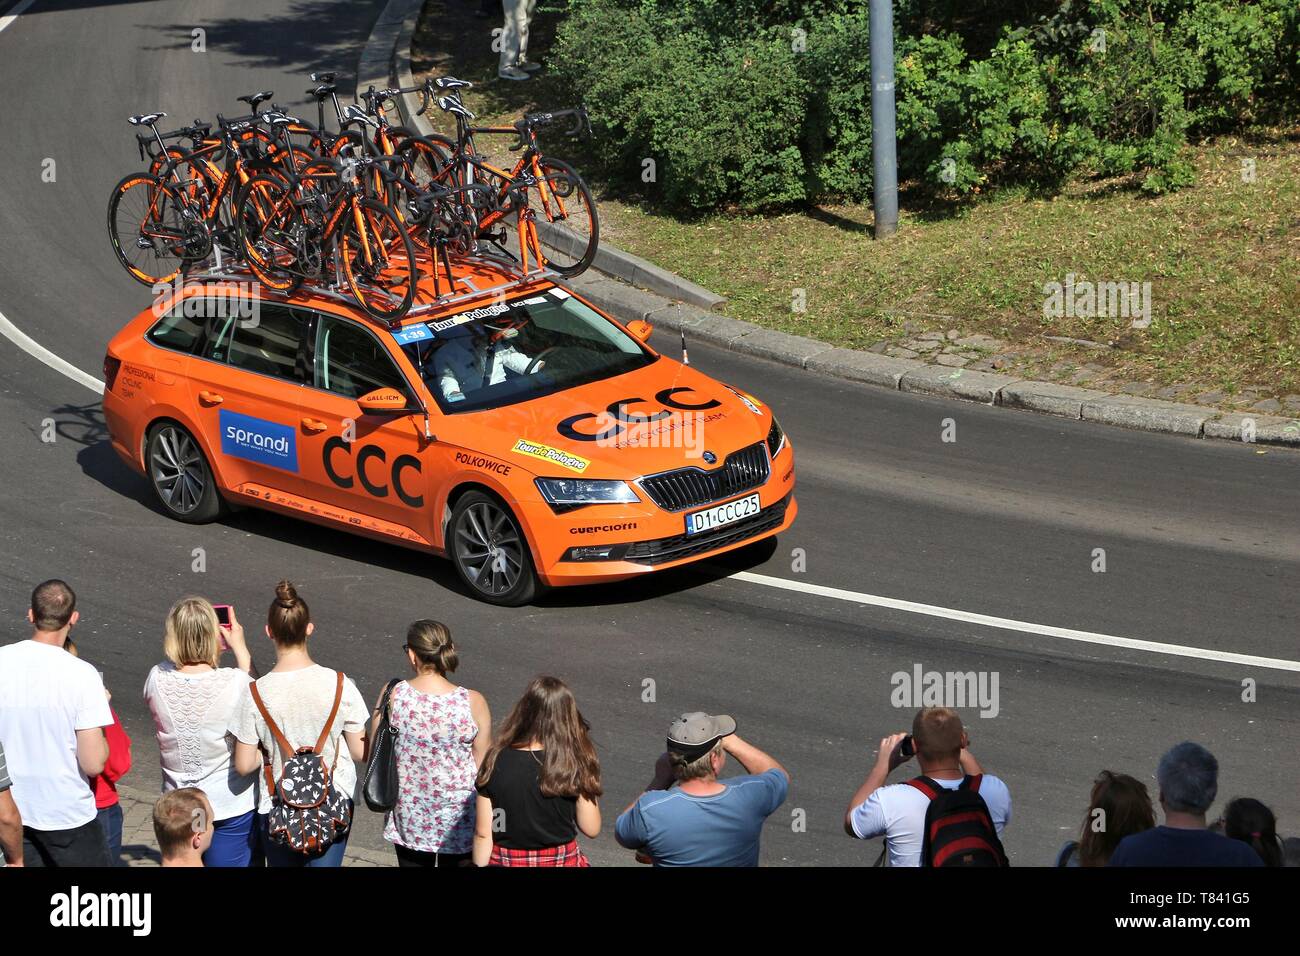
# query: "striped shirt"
{"type": "Point", "coordinates": [5, 782]}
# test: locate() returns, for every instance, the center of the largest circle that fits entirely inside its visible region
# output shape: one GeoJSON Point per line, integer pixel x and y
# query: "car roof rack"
{"type": "Point", "coordinates": [218, 268]}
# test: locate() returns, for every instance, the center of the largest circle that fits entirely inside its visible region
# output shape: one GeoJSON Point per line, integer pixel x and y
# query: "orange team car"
{"type": "Point", "coordinates": [515, 429]}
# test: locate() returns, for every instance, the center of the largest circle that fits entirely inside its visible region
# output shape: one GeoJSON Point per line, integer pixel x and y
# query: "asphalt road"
{"type": "Point", "coordinates": [1202, 540]}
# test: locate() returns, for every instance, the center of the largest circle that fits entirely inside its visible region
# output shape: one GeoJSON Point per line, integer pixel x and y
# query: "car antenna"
{"type": "Point", "coordinates": [686, 359]}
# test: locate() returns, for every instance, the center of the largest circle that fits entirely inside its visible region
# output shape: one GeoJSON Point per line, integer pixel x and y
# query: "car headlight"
{"type": "Point", "coordinates": [575, 492]}
{"type": "Point", "coordinates": [775, 438]}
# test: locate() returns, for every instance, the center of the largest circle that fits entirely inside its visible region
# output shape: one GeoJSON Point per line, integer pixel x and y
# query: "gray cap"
{"type": "Point", "coordinates": [693, 735]}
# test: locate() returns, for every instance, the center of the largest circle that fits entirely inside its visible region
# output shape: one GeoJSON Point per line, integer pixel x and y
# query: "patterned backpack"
{"type": "Point", "coordinates": [307, 812]}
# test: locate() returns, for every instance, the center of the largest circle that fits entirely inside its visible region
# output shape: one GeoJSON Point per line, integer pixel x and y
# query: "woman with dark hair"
{"type": "Point", "coordinates": [308, 703]}
{"type": "Point", "coordinates": [539, 783]}
{"type": "Point", "coordinates": [1251, 822]}
{"type": "Point", "coordinates": [441, 733]}
{"type": "Point", "coordinates": [1120, 805]}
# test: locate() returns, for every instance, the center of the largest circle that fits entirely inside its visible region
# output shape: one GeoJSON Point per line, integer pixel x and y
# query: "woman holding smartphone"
{"type": "Point", "coordinates": [192, 699]}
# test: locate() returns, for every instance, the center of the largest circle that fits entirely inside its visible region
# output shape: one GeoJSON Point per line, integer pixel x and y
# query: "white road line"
{"type": "Point", "coordinates": [11, 331]}
{"type": "Point", "coordinates": [40, 352]}
{"type": "Point", "coordinates": [15, 13]}
{"type": "Point", "coordinates": [1046, 630]}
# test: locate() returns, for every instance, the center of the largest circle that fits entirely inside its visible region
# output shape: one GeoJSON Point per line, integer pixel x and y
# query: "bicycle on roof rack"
{"type": "Point", "coordinates": [319, 225]}
{"type": "Point", "coordinates": [564, 200]}
{"type": "Point", "coordinates": [163, 221]}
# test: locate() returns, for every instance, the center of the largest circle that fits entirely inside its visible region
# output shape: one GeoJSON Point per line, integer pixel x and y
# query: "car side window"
{"type": "Point", "coordinates": [351, 361]}
{"type": "Point", "coordinates": [268, 346]}
{"type": "Point", "coordinates": [177, 331]}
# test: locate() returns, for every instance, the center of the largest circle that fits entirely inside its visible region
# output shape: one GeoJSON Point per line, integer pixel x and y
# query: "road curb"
{"type": "Point", "coordinates": [654, 294]}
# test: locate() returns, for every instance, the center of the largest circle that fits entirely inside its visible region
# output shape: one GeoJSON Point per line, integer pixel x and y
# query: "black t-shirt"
{"type": "Point", "coordinates": [531, 820]}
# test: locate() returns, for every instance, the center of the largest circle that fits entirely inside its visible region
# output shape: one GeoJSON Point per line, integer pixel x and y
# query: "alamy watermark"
{"type": "Point", "coordinates": [1086, 300]}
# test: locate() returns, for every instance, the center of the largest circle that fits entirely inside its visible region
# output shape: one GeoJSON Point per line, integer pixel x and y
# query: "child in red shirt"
{"type": "Point", "coordinates": [105, 784]}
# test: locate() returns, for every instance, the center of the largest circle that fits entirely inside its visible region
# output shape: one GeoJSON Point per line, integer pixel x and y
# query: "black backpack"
{"type": "Point", "coordinates": [308, 813]}
{"type": "Point", "coordinates": [959, 829]}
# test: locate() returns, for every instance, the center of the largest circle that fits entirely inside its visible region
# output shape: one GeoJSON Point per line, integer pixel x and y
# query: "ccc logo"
{"type": "Point", "coordinates": [400, 464]}
{"type": "Point", "coordinates": [619, 412]}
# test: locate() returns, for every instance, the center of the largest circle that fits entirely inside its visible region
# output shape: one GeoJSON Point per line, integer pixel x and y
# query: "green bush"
{"type": "Point", "coordinates": [762, 104]}
{"type": "Point", "coordinates": [719, 116]}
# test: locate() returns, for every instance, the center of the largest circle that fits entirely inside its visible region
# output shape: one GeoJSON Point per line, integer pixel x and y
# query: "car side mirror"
{"type": "Point", "coordinates": [382, 401]}
{"type": "Point", "coordinates": [641, 329]}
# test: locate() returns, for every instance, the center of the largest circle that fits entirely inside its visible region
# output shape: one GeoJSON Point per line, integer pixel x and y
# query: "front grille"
{"type": "Point", "coordinates": [686, 546]}
{"type": "Point", "coordinates": [692, 487]}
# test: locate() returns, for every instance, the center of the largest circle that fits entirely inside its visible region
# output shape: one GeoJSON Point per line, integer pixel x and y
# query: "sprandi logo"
{"type": "Point", "coordinates": [956, 689]}
{"type": "Point", "coordinates": [1086, 300]}
{"type": "Point", "coordinates": [76, 909]}
{"type": "Point", "coordinates": [221, 300]}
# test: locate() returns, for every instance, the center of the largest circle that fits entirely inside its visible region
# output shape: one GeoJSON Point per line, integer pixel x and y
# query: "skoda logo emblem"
{"type": "Point", "coordinates": [710, 458]}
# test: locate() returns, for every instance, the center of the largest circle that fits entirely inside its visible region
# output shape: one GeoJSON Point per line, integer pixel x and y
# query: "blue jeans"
{"type": "Point", "coordinates": [277, 854]}
{"type": "Point", "coordinates": [110, 821]}
{"type": "Point", "coordinates": [234, 842]}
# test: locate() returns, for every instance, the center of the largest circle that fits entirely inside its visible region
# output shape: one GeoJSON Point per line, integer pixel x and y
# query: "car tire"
{"type": "Point", "coordinates": [490, 552]}
{"type": "Point", "coordinates": [179, 475]}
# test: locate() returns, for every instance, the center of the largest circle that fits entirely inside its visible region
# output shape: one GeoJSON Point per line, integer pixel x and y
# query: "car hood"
{"type": "Point", "coordinates": [663, 416]}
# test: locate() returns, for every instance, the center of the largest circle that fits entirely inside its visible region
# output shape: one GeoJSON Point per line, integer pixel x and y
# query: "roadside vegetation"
{"type": "Point", "coordinates": [1196, 191]}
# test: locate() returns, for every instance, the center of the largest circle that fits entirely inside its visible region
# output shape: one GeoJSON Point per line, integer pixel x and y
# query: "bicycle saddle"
{"type": "Point", "coordinates": [452, 106]}
{"type": "Point", "coordinates": [322, 91]}
{"type": "Point", "coordinates": [450, 83]}
{"type": "Point", "coordinates": [253, 99]}
{"type": "Point", "coordinates": [145, 119]}
{"type": "Point", "coordinates": [324, 77]}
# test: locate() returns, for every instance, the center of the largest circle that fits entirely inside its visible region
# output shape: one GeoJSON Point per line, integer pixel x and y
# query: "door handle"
{"type": "Point", "coordinates": [210, 398]}
{"type": "Point", "coordinates": [313, 426]}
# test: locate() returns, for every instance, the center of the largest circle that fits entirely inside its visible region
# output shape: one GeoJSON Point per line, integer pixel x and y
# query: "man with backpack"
{"type": "Point", "coordinates": [952, 814]}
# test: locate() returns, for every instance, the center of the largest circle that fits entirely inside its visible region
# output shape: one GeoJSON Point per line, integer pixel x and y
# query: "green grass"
{"type": "Point", "coordinates": [1222, 257]}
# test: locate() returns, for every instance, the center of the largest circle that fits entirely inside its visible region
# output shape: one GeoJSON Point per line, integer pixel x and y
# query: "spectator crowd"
{"type": "Point", "coordinates": [262, 769]}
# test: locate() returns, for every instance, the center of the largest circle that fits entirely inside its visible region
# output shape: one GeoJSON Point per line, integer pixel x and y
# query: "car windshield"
{"type": "Point", "coordinates": [512, 351]}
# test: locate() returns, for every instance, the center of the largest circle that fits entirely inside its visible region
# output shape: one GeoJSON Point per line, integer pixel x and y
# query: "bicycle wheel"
{"type": "Point", "coordinates": [566, 204]}
{"type": "Point", "coordinates": [148, 229]}
{"type": "Point", "coordinates": [378, 260]}
{"type": "Point", "coordinates": [428, 158]}
{"type": "Point", "coordinates": [269, 227]}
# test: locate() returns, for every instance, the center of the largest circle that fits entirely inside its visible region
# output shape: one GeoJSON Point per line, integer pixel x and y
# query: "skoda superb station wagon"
{"type": "Point", "coordinates": [515, 429]}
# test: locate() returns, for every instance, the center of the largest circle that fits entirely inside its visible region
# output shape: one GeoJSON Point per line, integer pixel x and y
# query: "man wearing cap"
{"type": "Point", "coordinates": [703, 821]}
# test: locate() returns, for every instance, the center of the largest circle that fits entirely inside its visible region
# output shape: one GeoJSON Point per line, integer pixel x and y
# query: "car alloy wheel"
{"type": "Point", "coordinates": [180, 475]}
{"type": "Point", "coordinates": [490, 552]}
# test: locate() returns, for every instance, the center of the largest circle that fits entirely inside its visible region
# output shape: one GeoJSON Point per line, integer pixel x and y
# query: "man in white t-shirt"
{"type": "Point", "coordinates": [53, 709]}
{"type": "Point", "coordinates": [897, 811]}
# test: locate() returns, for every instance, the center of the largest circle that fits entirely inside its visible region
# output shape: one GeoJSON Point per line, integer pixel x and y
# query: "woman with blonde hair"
{"type": "Point", "coordinates": [441, 734]}
{"type": "Point", "coordinates": [541, 772]}
{"type": "Point", "coordinates": [192, 699]}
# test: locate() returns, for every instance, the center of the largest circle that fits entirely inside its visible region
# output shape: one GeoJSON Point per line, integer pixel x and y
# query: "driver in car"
{"type": "Point", "coordinates": [481, 357]}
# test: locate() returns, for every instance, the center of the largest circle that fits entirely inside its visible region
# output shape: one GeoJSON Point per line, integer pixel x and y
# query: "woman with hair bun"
{"type": "Point", "coordinates": [442, 732]}
{"type": "Point", "coordinates": [299, 695]}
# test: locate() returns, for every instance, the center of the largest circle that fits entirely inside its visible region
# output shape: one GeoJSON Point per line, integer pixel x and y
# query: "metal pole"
{"type": "Point", "coordinates": [884, 183]}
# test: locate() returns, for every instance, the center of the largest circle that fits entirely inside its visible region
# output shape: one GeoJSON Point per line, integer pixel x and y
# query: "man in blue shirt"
{"type": "Point", "coordinates": [704, 821]}
{"type": "Point", "coordinates": [1189, 781]}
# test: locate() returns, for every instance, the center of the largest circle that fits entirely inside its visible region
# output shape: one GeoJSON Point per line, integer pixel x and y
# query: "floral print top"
{"type": "Point", "coordinates": [435, 771]}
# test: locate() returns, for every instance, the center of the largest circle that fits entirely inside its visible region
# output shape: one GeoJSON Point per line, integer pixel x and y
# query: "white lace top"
{"type": "Point", "coordinates": [190, 716]}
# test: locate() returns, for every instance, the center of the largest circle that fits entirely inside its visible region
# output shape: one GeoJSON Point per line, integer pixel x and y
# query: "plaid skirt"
{"type": "Point", "coordinates": [566, 854]}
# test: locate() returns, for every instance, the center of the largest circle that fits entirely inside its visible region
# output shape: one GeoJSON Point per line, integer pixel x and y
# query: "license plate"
{"type": "Point", "coordinates": [719, 515]}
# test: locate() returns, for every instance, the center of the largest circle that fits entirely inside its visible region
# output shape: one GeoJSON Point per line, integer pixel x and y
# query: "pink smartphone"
{"type": "Point", "coordinates": [223, 619]}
